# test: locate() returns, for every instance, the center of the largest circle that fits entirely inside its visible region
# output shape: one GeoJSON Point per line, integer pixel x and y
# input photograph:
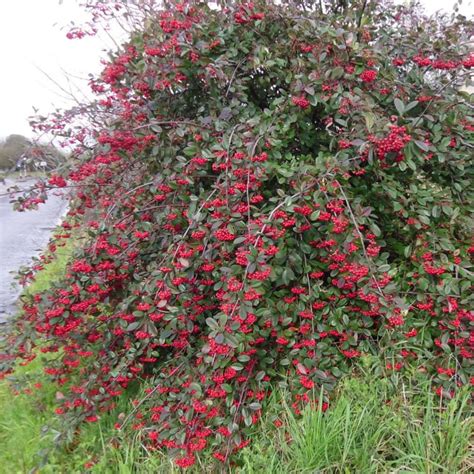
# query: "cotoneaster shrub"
{"type": "Point", "coordinates": [267, 193]}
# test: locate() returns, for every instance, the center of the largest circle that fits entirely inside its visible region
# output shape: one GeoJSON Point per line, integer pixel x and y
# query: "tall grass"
{"type": "Point", "coordinates": [372, 426]}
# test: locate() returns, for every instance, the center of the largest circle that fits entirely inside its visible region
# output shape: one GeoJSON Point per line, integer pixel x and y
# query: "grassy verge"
{"type": "Point", "coordinates": [374, 425]}
{"type": "Point", "coordinates": [53, 270]}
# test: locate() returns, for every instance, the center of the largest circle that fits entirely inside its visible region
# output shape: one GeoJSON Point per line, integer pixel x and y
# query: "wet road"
{"type": "Point", "coordinates": [22, 236]}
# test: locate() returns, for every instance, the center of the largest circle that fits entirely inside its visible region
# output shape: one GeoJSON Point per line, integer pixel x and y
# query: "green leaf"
{"type": "Point", "coordinates": [287, 275]}
{"type": "Point", "coordinates": [376, 230]}
{"type": "Point", "coordinates": [369, 120]}
{"type": "Point", "coordinates": [424, 220]}
{"type": "Point", "coordinates": [399, 106]}
{"type": "Point", "coordinates": [212, 323]}
{"type": "Point", "coordinates": [223, 319]}
{"type": "Point", "coordinates": [423, 283]}
{"type": "Point", "coordinates": [260, 375]}
{"type": "Point", "coordinates": [411, 105]}
{"type": "Point", "coordinates": [190, 150]}
{"type": "Point", "coordinates": [285, 172]}
{"type": "Point", "coordinates": [337, 73]}
{"type": "Point", "coordinates": [133, 326]}
{"type": "Point", "coordinates": [196, 387]}
{"type": "Point", "coordinates": [422, 145]}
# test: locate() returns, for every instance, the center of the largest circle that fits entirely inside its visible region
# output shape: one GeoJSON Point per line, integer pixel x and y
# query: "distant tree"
{"type": "Point", "coordinates": [12, 149]}
{"type": "Point", "coordinates": [18, 148]}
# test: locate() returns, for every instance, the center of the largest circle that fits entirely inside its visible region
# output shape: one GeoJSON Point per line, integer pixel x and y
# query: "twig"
{"type": "Point", "coordinates": [233, 76]}
{"type": "Point", "coordinates": [171, 122]}
{"type": "Point", "coordinates": [361, 238]}
{"type": "Point", "coordinates": [148, 395]}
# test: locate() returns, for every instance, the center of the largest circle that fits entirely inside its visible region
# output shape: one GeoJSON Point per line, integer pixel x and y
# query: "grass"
{"type": "Point", "coordinates": [27, 438]}
{"type": "Point", "coordinates": [53, 270]}
{"type": "Point", "coordinates": [374, 425]}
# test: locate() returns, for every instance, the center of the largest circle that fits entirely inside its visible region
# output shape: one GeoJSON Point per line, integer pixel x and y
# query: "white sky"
{"type": "Point", "coordinates": [33, 37]}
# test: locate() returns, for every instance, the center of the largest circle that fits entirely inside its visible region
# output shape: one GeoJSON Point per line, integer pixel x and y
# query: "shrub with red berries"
{"type": "Point", "coordinates": [268, 199]}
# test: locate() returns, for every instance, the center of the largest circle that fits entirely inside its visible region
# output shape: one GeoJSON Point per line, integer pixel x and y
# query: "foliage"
{"type": "Point", "coordinates": [274, 192]}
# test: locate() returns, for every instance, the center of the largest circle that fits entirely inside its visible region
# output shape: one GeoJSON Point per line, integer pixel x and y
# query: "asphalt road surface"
{"type": "Point", "coordinates": [22, 236]}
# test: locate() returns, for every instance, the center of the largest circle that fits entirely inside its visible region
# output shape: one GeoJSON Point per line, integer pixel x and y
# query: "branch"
{"type": "Point", "coordinates": [359, 21]}
{"type": "Point", "coordinates": [361, 238]}
{"type": "Point", "coordinates": [171, 122]}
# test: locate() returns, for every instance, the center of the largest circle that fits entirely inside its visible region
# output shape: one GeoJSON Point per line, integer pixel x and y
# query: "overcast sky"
{"type": "Point", "coordinates": [33, 39]}
{"type": "Point", "coordinates": [33, 43]}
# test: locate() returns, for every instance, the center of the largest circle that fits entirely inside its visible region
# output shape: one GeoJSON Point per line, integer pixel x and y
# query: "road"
{"type": "Point", "coordinates": [22, 236]}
